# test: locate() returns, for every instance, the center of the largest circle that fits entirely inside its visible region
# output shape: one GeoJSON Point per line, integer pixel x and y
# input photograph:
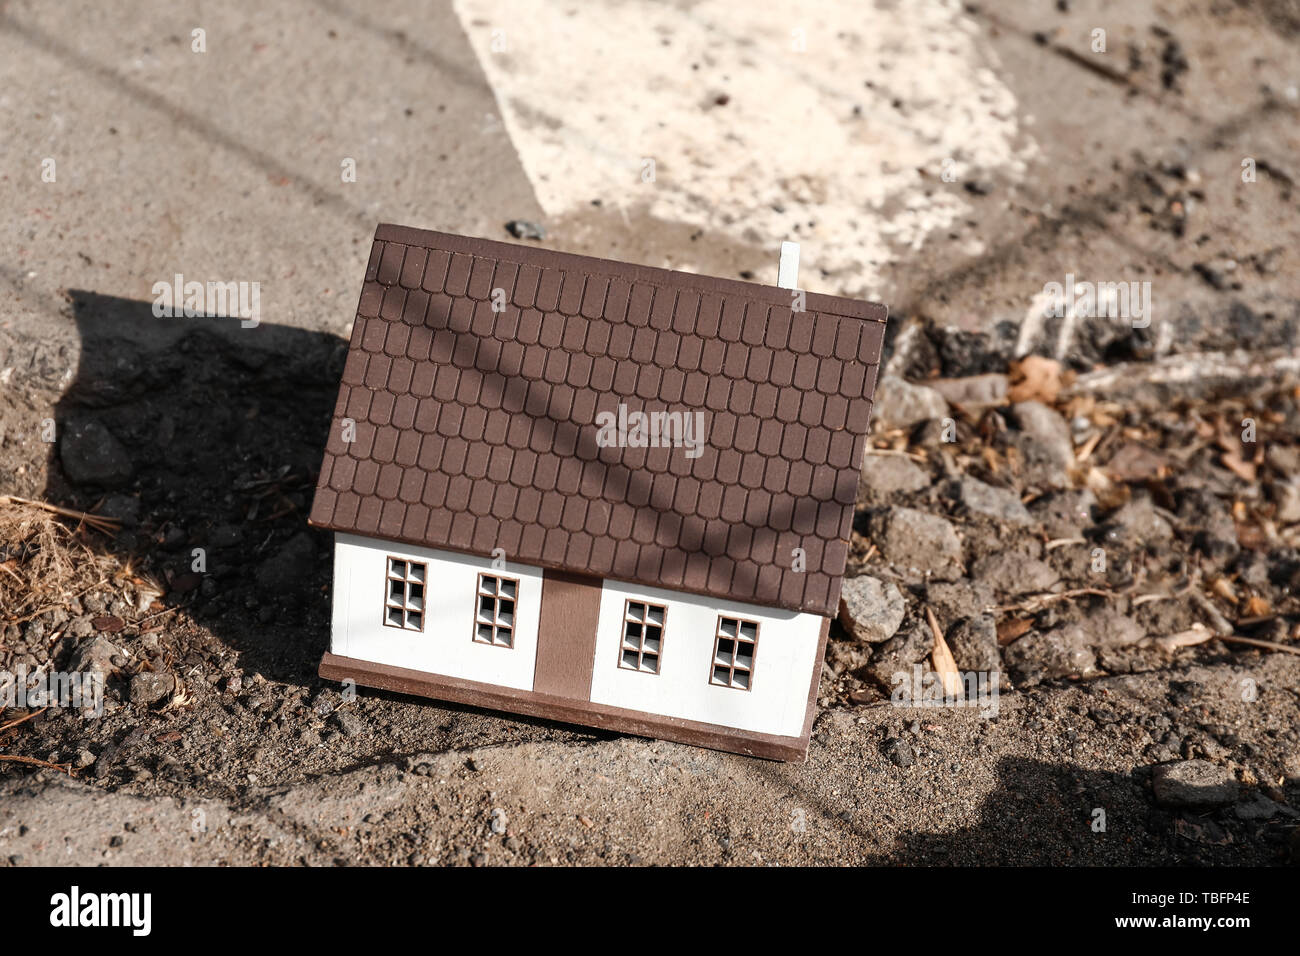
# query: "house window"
{"type": "Point", "coordinates": [404, 598]}
{"type": "Point", "coordinates": [494, 617]}
{"type": "Point", "coordinates": [643, 636]}
{"type": "Point", "coordinates": [733, 653]}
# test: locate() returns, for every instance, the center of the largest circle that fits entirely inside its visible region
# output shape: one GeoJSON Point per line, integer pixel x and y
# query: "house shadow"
{"type": "Point", "coordinates": [1060, 814]}
{"type": "Point", "coordinates": [215, 439]}
{"type": "Point", "coordinates": [204, 437]}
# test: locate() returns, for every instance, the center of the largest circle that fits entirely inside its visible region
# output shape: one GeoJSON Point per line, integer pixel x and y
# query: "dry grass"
{"type": "Point", "coordinates": [44, 562]}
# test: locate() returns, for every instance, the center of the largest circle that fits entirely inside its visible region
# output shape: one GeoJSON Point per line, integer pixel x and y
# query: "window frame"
{"type": "Point", "coordinates": [406, 582]}
{"type": "Point", "coordinates": [735, 639]}
{"type": "Point", "coordinates": [640, 652]}
{"type": "Point", "coordinates": [479, 594]}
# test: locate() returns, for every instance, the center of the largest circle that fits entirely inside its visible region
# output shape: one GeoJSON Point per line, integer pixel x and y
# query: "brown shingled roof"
{"type": "Point", "coordinates": [476, 429]}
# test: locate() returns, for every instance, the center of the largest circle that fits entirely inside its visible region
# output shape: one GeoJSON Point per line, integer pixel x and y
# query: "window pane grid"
{"type": "Point", "coordinates": [494, 615]}
{"type": "Point", "coordinates": [643, 636]}
{"type": "Point", "coordinates": [404, 594]}
{"type": "Point", "coordinates": [733, 653]}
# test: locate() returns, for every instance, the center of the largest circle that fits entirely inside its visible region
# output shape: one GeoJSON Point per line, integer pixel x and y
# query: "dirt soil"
{"type": "Point", "coordinates": [1105, 516]}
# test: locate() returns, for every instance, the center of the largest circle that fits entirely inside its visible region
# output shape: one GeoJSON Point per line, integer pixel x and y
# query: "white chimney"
{"type": "Point", "coordinates": [787, 275]}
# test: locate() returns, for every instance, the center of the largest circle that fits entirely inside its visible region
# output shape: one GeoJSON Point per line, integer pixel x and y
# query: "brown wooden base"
{"type": "Point", "coordinates": [569, 710]}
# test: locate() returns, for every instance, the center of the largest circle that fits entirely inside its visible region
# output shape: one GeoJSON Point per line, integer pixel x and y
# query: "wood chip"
{"type": "Point", "coordinates": [1035, 379]}
{"type": "Point", "coordinates": [1196, 634]}
{"type": "Point", "coordinates": [944, 665]}
{"type": "Point", "coordinates": [1257, 607]}
{"type": "Point", "coordinates": [1013, 628]}
{"type": "Point", "coordinates": [1134, 461]}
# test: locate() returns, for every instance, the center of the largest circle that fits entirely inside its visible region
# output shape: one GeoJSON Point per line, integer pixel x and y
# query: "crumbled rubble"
{"type": "Point", "coordinates": [1061, 537]}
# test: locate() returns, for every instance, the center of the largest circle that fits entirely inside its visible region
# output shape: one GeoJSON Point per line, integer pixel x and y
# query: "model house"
{"type": "Point", "coordinates": [594, 492]}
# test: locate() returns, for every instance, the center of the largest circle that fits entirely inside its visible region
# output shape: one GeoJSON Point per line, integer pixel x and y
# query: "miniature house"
{"type": "Point", "coordinates": [594, 492]}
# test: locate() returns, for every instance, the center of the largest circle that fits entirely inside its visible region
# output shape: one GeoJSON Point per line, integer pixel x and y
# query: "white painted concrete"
{"type": "Point", "coordinates": [783, 665]}
{"type": "Point", "coordinates": [829, 123]}
{"type": "Point", "coordinates": [446, 645]}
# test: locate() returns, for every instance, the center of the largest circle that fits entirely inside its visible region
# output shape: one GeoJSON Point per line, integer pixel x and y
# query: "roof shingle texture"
{"type": "Point", "coordinates": [475, 427]}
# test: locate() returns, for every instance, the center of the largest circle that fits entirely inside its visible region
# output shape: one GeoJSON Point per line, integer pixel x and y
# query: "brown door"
{"type": "Point", "coordinates": [566, 634]}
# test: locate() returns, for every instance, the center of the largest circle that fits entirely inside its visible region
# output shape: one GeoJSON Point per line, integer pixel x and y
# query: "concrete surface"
{"type": "Point", "coordinates": [226, 165]}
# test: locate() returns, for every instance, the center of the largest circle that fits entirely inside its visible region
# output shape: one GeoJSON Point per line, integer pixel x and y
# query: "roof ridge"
{"type": "Point", "coordinates": [520, 255]}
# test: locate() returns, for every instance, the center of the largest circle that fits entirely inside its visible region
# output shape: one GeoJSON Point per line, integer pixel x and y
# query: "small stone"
{"type": "Point", "coordinates": [349, 722]}
{"type": "Point", "coordinates": [1137, 523]}
{"type": "Point", "coordinates": [978, 498]}
{"type": "Point", "coordinates": [973, 392]}
{"type": "Point", "coordinates": [918, 542]}
{"type": "Point", "coordinates": [226, 536]}
{"type": "Point", "coordinates": [1060, 652]}
{"type": "Point", "coordinates": [524, 229]}
{"type": "Point", "coordinates": [1193, 784]}
{"type": "Point", "coordinates": [1064, 514]}
{"type": "Point", "coordinates": [899, 752]}
{"type": "Point", "coordinates": [900, 404]}
{"type": "Point", "coordinates": [1043, 439]}
{"type": "Point", "coordinates": [952, 601]}
{"type": "Point", "coordinates": [1260, 808]}
{"type": "Point", "coordinates": [1284, 459]}
{"type": "Point", "coordinates": [1291, 766]}
{"type": "Point", "coordinates": [884, 476]}
{"type": "Point", "coordinates": [497, 821]}
{"type": "Point", "coordinates": [1109, 628]}
{"type": "Point", "coordinates": [148, 687]}
{"type": "Point", "coordinates": [974, 644]}
{"type": "Point", "coordinates": [84, 759]}
{"type": "Point", "coordinates": [897, 655]}
{"type": "Point", "coordinates": [96, 655]}
{"type": "Point", "coordinates": [92, 455]}
{"type": "Point", "coordinates": [1216, 272]}
{"type": "Point", "coordinates": [125, 508]}
{"type": "Point", "coordinates": [1011, 572]}
{"type": "Point", "coordinates": [1286, 499]}
{"type": "Point", "coordinates": [870, 609]}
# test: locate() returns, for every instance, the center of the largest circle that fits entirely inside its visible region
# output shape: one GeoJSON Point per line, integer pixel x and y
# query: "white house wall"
{"type": "Point", "coordinates": [783, 663]}
{"type": "Point", "coordinates": [783, 666]}
{"type": "Point", "coordinates": [445, 646]}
